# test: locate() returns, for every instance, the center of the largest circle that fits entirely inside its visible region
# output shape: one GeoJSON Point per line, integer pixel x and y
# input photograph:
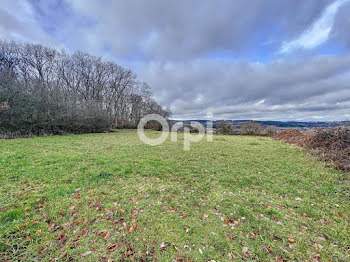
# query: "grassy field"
{"type": "Point", "coordinates": [109, 197]}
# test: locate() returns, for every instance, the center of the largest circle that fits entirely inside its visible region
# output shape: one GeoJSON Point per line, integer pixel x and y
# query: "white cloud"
{"type": "Point", "coordinates": [319, 31]}
{"type": "Point", "coordinates": [18, 22]}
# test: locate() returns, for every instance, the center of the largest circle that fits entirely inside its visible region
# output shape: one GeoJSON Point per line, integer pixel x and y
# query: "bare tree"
{"type": "Point", "coordinates": [51, 91]}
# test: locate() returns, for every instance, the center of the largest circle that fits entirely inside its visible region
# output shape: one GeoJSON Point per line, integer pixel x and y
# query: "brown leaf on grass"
{"type": "Point", "coordinates": [340, 215]}
{"type": "Point", "coordinates": [133, 228]}
{"type": "Point", "coordinates": [252, 235]}
{"type": "Point", "coordinates": [291, 240]}
{"type": "Point", "coordinates": [98, 205]}
{"type": "Point", "coordinates": [79, 221]}
{"type": "Point", "coordinates": [275, 236]}
{"type": "Point", "coordinates": [63, 254]}
{"type": "Point", "coordinates": [106, 235]}
{"type": "Point", "coordinates": [183, 215]}
{"type": "Point", "coordinates": [77, 196]}
{"type": "Point", "coordinates": [228, 221]}
{"type": "Point", "coordinates": [316, 258]}
{"type": "Point", "coordinates": [60, 236]}
{"type": "Point", "coordinates": [129, 252]}
{"type": "Point", "coordinates": [54, 227]}
{"type": "Point", "coordinates": [135, 214]}
{"type": "Point", "coordinates": [84, 232]}
{"type": "Point", "coordinates": [74, 213]}
{"type": "Point", "coordinates": [230, 256]}
{"type": "Point", "coordinates": [75, 242]}
{"type": "Point", "coordinates": [266, 249]}
{"type": "Point", "coordinates": [187, 229]}
{"type": "Point", "coordinates": [41, 249]}
{"type": "Point", "coordinates": [245, 252]}
{"type": "Point", "coordinates": [62, 240]}
{"type": "Point", "coordinates": [325, 221]}
{"type": "Point", "coordinates": [278, 258]}
{"type": "Point", "coordinates": [112, 247]}
{"type": "Point", "coordinates": [171, 210]}
{"type": "Point", "coordinates": [302, 228]}
{"type": "Point", "coordinates": [318, 246]}
{"type": "Point", "coordinates": [164, 245]}
{"type": "Point", "coordinates": [231, 236]}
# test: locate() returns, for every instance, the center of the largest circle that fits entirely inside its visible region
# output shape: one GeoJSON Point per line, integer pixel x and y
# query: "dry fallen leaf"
{"type": "Point", "coordinates": [171, 210]}
{"type": "Point", "coordinates": [252, 235]}
{"type": "Point", "coordinates": [266, 249]}
{"type": "Point", "coordinates": [340, 215]}
{"type": "Point", "coordinates": [278, 258]}
{"type": "Point", "coordinates": [111, 247]}
{"type": "Point", "coordinates": [318, 246]}
{"type": "Point", "coordinates": [231, 236]}
{"type": "Point", "coordinates": [245, 252]}
{"type": "Point", "coordinates": [62, 240]}
{"type": "Point", "coordinates": [106, 235]}
{"type": "Point", "coordinates": [84, 232]}
{"type": "Point", "coordinates": [228, 221]}
{"type": "Point", "coordinates": [291, 240]}
{"type": "Point", "coordinates": [302, 228]}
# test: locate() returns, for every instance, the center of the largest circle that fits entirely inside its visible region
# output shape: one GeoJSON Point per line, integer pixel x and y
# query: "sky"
{"type": "Point", "coordinates": [254, 59]}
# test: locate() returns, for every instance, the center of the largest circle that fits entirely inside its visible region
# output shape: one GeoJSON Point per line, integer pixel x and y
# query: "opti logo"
{"type": "Point", "coordinates": [188, 136]}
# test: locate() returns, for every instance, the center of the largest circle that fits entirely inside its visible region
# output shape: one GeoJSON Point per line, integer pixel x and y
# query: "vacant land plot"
{"type": "Point", "coordinates": [108, 196]}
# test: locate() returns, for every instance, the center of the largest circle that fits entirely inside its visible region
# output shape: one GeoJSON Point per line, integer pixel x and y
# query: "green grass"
{"type": "Point", "coordinates": [118, 198]}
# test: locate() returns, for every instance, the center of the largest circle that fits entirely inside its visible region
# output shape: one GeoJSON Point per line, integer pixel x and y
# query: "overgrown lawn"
{"type": "Point", "coordinates": [109, 196]}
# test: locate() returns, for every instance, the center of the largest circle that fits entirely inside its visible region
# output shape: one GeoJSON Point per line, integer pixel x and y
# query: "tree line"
{"type": "Point", "coordinates": [48, 91]}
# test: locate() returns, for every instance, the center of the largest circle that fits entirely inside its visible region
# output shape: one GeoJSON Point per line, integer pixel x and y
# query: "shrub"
{"type": "Point", "coordinates": [291, 136]}
{"type": "Point", "coordinates": [251, 128]}
{"type": "Point", "coordinates": [4, 106]}
{"type": "Point", "coordinates": [332, 145]}
{"type": "Point", "coordinates": [223, 127]}
{"type": "Point", "coordinates": [271, 131]}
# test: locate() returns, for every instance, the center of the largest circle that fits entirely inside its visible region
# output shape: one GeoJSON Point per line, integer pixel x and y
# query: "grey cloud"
{"type": "Point", "coordinates": [234, 90]}
{"type": "Point", "coordinates": [182, 29]}
{"type": "Point", "coordinates": [340, 34]}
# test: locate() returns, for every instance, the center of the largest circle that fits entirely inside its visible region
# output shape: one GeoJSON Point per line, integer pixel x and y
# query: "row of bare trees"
{"type": "Point", "coordinates": [51, 91]}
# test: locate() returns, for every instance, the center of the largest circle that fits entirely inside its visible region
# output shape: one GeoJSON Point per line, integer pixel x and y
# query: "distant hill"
{"type": "Point", "coordinates": [279, 124]}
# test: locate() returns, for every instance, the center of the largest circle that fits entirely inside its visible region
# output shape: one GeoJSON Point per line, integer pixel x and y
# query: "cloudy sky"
{"type": "Point", "coordinates": [224, 59]}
